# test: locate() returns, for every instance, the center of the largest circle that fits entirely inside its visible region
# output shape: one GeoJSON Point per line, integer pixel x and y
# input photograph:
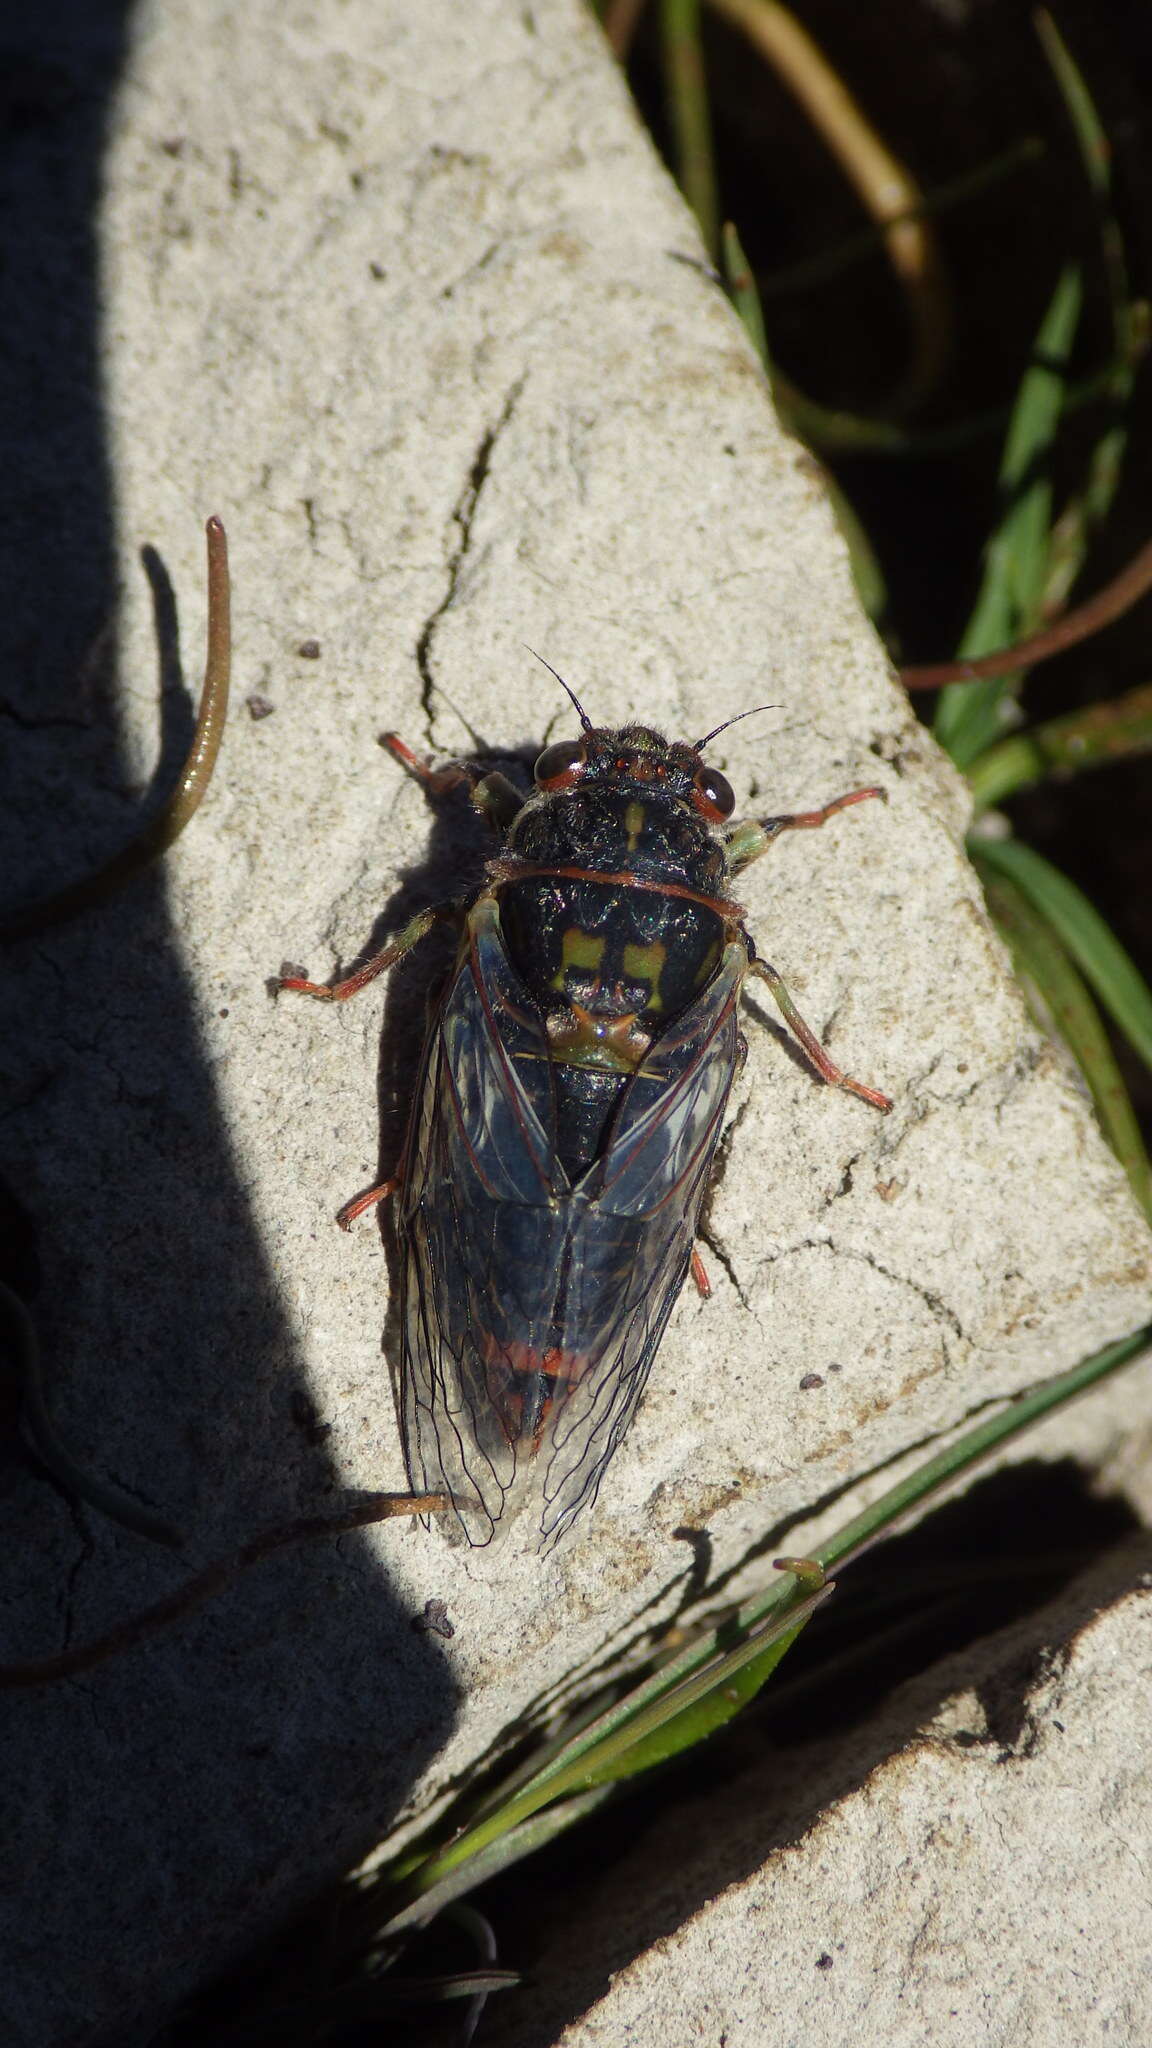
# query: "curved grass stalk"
{"type": "Point", "coordinates": [1064, 1005]}
{"type": "Point", "coordinates": [1098, 954]}
{"type": "Point", "coordinates": [885, 187]}
{"type": "Point", "coordinates": [1117, 597]}
{"type": "Point", "coordinates": [154, 838]}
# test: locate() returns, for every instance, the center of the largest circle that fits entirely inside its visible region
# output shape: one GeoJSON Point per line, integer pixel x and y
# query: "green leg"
{"type": "Point", "coordinates": [749, 841]}
{"type": "Point", "coordinates": [808, 1039]}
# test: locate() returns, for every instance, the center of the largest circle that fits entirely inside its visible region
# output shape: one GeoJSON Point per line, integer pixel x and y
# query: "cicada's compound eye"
{"type": "Point", "coordinates": [713, 794]}
{"type": "Point", "coordinates": [562, 765]}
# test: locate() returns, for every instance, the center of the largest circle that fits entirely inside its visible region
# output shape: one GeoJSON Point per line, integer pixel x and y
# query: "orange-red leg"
{"type": "Point", "coordinates": [437, 781]}
{"type": "Point", "coordinates": [808, 1039]}
{"type": "Point", "coordinates": [346, 1216]}
{"type": "Point", "coordinates": [492, 794]}
{"type": "Point", "coordinates": [750, 840]}
{"type": "Point", "coordinates": [339, 991]}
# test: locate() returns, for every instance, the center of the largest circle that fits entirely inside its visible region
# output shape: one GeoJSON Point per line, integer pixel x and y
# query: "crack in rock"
{"type": "Point", "coordinates": [464, 516]}
{"type": "Point", "coordinates": [927, 1295]}
{"type": "Point", "coordinates": [932, 1301]}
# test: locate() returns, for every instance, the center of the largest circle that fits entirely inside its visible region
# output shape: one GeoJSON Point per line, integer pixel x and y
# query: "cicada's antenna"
{"type": "Point", "coordinates": [699, 745]}
{"type": "Point", "coordinates": [585, 721]}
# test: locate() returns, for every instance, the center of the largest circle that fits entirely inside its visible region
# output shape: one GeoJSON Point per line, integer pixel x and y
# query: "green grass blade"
{"type": "Point", "coordinates": [969, 722]}
{"type": "Point", "coordinates": [1096, 156]}
{"type": "Point", "coordinates": [970, 716]}
{"type": "Point", "coordinates": [866, 571]}
{"type": "Point", "coordinates": [686, 93]}
{"type": "Point", "coordinates": [1064, 746]}
{"type": "Point", "coordinates": [598, 1753]}
{"type": "Point", "coordinates": [1071, 534]}
{"type": "Point", "coordinates": [1014, 577]}
{"type": "Point", "coordinates": [976, 1444]}
{"type": "Point", "coordinates": [700, 1705]}
{"type": "Point", "coordinates": [743, 292]}
{"type": "Point", "coordinates": [1118, 983]}
{"type": "Point", "coordinates": [829, 263]}
{"type": "Point", "coordinates": [1089, 508]}
{"type": "Point", "coordinates": [835, 432]}
{"type": "Point", "coordinates": [1065, 1005]}
{"type": "Point", "coordinates": [867, 575]}
{"type": "Point", "coordinates": [1093, 142]}
{"type": "Point", "coordinates": [458, 1878]}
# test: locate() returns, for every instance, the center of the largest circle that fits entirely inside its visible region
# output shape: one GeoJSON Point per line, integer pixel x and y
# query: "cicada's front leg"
{"type": "Point", "coordinates": [745, 845]}
{"type": "Point", "coordinates": [496, 798]}
{"type": "Point", "coordinates": [753, 838]}
{"type": "Point", "coordinates": [492, 795]}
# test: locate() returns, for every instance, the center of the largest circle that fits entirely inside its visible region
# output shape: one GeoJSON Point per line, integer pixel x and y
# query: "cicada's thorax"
{"type": "Point", "coordinates": [610, 965]}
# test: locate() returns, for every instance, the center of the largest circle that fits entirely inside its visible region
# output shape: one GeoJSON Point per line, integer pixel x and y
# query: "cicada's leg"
{"type": "Point", "coordinates": [700, 1279]}
{"type": "Point", "coordinates": [493, 795]}
{"type": "Point", "coordinates": [808, 1039]}
{"type": "Point", "coordinates": [750, 840]}
{"type": "Point", "coordinates": [346, 1216]}
{"type": "Point", "coordinates": [339, 991]}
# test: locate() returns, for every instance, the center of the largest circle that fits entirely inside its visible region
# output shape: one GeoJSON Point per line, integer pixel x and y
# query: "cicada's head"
{"type": "Point", "coordinates": [637, 755]}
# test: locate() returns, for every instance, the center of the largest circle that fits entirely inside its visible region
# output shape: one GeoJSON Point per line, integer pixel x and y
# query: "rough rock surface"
{"type": "Point", "coordinates": [404, 295]}
{"type": "Point", "coordinates": [984, 1883]}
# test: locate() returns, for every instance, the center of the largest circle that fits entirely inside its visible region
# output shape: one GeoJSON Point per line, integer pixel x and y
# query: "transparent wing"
{"type": "Point", "coordinates": [532, 1310]}
{"type": "Point", "coordinates": [480, 1157]}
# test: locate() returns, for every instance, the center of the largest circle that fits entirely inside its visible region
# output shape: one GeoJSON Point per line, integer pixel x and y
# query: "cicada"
{"type": "Point", "coordinates": [571, 1096]}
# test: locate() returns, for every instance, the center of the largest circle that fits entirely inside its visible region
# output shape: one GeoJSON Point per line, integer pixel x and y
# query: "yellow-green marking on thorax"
{"type": "Point", "coordinates": [582, 950]}
{"type": "Point", "coordinates": [645, 964]}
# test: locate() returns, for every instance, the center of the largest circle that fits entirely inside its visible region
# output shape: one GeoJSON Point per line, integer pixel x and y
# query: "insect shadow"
{"type": "Point", "coordinates": [458, 845]}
